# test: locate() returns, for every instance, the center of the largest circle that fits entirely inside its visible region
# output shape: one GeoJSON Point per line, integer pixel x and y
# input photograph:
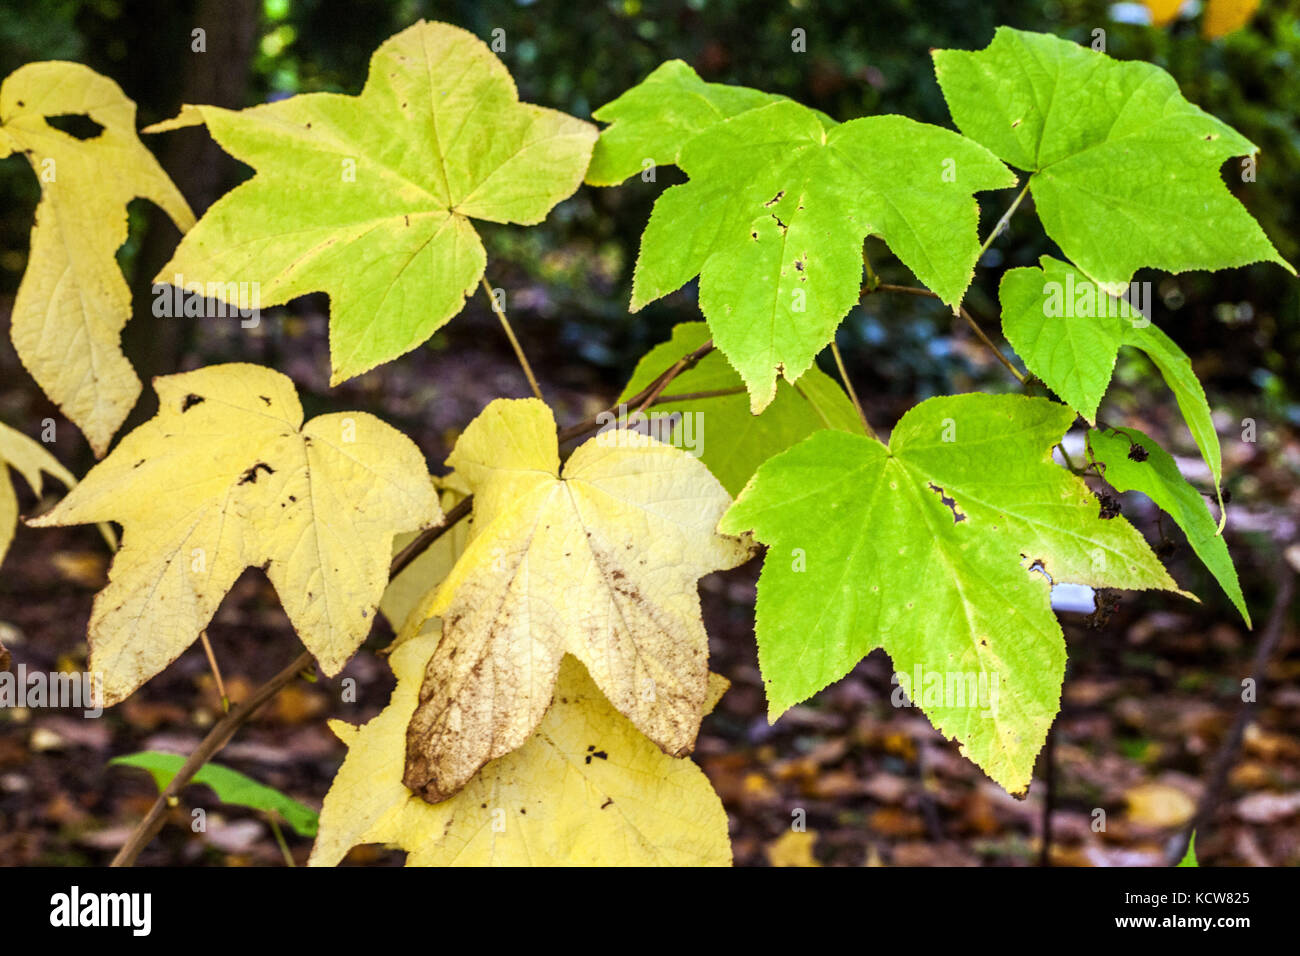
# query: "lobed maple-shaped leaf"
{"type": "Point", "coordinates": [1124, 170]}
{"type": "Point", "coordinates": [225, 477]}
{"type": "Point", "coordinates": [73, 300]}
{"type": "Point", "coordinates": [775, 214]}
{"type": "Point", "coordinates": [586, 788]}
{"type": "Point", "coordinates": [600, 560]}
{"type": "Point", "coordinates": [1069, 332]}
{"type": "Point", "coordinates": [29, 458]}
{"type": "Point", "coordinates": [1156, 475]}
{"type": "Point", "coordinates": [651, 122]}
{"type": "Point", "coordinates": [925, 550]}
{"type": "Point", "coordinates": [370, 197]}
{"type": "Point", "coordinates": [730, 441]}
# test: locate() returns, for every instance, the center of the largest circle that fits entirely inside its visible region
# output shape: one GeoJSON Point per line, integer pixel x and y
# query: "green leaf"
{"type": "Point", "coordinates": [1189, 858]}
{"type": "Point", "coordinates": [775, 214]}
{"type": "Point", "coordinates": [655, 119]}
{"type": "Point", "coordinates": [925, 550]}
{"type": "Point", "coordinates": [730, 441]}
{"type": "Point", "coordinates": [370, 197]}
{"type": "Point", "coordinates": [1068, 333]}
{"type": "Point", "coordinates": [230, 786]}
{"type": "Point", "coordinates": [1125, 171]}
{"type": "Point", "coordinates": [1158, 478]}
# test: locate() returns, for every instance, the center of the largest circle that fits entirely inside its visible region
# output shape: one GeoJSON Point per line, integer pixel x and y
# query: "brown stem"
{"type": "Point", "coordinates": [970, 320]}
{"type": "Point", "coordinates": [217, 738]}
{"type": "Point", "coordinates": [848, 387]}
{"type": "Point", "coordinates": [643, 399]}
{"type": "Point", "coordinates": [1227, 754]}
{"type": "Point", "coordinates": [1049, 798]}
{"type": "Point", "coordinates": [514, 342]}
{"type": "Point", "coordinates": [697, 396]}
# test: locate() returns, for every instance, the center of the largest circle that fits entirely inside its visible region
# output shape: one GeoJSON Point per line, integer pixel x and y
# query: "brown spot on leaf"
{"type": "Point", "coordinates": [190, 401]}
{"type": "Point", "coordinates": [250, 477]}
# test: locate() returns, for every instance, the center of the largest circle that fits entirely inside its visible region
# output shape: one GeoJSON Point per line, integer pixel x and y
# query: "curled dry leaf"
{"type": "Point", "coordinates": [225, 477]}
{"type": "Point", "coordinates": [600, 561]}
{"type": "Point", "coordinates": [586, 788]}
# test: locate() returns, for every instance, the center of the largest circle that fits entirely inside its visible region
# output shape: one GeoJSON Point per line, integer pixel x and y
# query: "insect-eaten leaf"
{"type": "Point", "coordinates": [719, 427]}
{"type": "Point", "coordinates": [73, 300]}
{"type": "Point", "coordinates": [776, 211]}
{"type": "Point", "coordinates": [1068, 331]}
{"type": "Point", "coordinates": [230, 786]}
{"type": "Point", "coordinates": [586, 788]}
{"type": "Point", "coordinates": [372, 196]}
{"type": "Point", "coordinates": [225, 477]}
{"type": "Point", "coordinates": [601, 561]}
{"type": "Point", "coordinates": [921, 548]}
{"type": "Point", "coordinates": [1125, 171]}
{"type": "Point", "coordinates": [1156, 475]}
{"type": "Point", "coordinates": [29, 458]}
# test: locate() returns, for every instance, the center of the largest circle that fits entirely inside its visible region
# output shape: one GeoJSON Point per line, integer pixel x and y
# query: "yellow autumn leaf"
{"type": "Point", "coordinates": [73, 300]}
{"type": "Point", "coordinates": [29, 458]}
{"type": "Point", "coordinates": [601, 561]}
{"type": "Point", "coordinates": [1163, 12]}
{"type": "Point", "coordinates": [585, 789]}
{"type": "Point", "coordinates": [1224, 16]}
{"type": "Point", "coordinates": [1159, 805]}
{"type": "Point", "coordinates": [793, 848]}
{"type": "Point", "coordinates": [410, 588]}
{"type": "Point", "coordinates": [225, 477]}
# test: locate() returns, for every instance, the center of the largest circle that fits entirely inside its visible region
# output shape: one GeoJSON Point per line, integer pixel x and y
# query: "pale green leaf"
{"type": "Point", "coordinates": [720, 430]}
{"type": "Point", "coordinates": [655, 119]}
{"type": "Point", "coordinates": [370, 198]}
{"type": "Point", "coordinates": [1158, 477]}
{"type": "Point", "coordinates": [925, 550]}
{"type": "Point", "coordinates": [1068, 332]}
{"type": "Point", "coordinates": [775, 214]}
{"type": "Point", "coordinates": [1125, 170]}
{"type": "Point", "coordinates": [230, 786]}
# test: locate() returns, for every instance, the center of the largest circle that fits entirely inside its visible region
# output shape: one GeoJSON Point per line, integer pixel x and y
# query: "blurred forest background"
{"type": "Point", "coordinates": [1154, 683]}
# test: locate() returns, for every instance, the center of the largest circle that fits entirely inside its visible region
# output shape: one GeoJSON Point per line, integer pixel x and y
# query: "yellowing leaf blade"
{"type": "Point", "coordinates": [73, 301]}
{"type": "Point", "coordinates": [224, 478]}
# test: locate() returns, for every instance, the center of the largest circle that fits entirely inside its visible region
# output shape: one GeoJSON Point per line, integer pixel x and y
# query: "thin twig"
{"type": "Point", "coordinates": [514, 342]}
{"type": "Point", "coordinates": [216, 671]}
{"type": "Point", "coordinates": [697, 396]}
{"type": "Point", "coordinates": [217, 738]}
{"type": "Point", "coordinates": [961, 310]}
{"type": "Point", "coordinates": [428, 536]}
{"type": "Point", "coordinates": [1001, 223]}
{"type": "Point", "coordinates": [848, 387]}
{"type": "Point", "coordinates": [1049, 798]}
{"type": "Point", "coordinates": [279, 839]}
{"type": "Point", "coordinates": [1227, 754]}
{"type": "Point", "coordinates": [815, 407]}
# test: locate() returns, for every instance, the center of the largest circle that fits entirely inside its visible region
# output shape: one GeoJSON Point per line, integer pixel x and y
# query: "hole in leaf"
{"type": "Point", "coordinates": [949, 503]}
{"type": "Point", "coordinates": [77, 125]}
